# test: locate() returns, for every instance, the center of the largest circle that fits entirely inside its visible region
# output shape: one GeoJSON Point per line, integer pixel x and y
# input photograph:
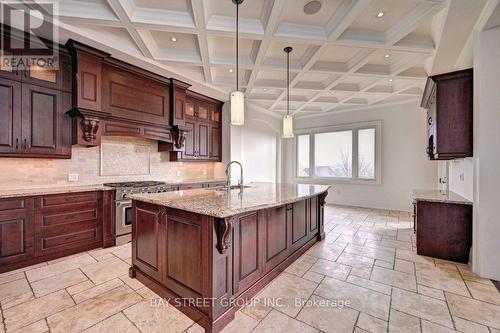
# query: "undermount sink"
{"type": "Point", "coordinates": [224, 188]}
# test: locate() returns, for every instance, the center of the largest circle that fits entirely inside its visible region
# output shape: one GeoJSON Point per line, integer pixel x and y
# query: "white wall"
{"type": "Point", "coordinates": [257, 146]}
{"type": "Point", "coordinates": [404, 163]}
{"type": "Point", "coordinates": [486, 226]}
{"type": "Point", "coordinates": [461, 177]}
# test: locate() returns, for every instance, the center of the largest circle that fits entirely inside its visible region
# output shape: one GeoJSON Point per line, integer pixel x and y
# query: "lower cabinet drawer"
{"type": "Point", "coordinates": [49, 218]}
{"type": "Point", "coordinates": [15, 204]}
{"type": "Point", "coordinates": [75, 238]}
{"type": "Point", "coordinates": [68, 199]}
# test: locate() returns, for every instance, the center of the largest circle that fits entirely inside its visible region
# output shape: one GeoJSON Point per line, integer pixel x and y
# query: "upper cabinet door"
{"type": "Point", "coordinates": [215, 143]}
{"type": "Point", "coordinates": [189, 152]}
{"type": "Point", "coordinates": [42, 119]}
{"type": "Point", "coordinates": [10, 116]}
{"type": "Point", "coordinates": [203, 138]}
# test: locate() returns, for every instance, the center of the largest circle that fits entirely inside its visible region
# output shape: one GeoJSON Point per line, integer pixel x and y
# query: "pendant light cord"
{"type": "Point", "coordinates": [288, 84]}
{"type": "Point", "coordinates": [237, 45]}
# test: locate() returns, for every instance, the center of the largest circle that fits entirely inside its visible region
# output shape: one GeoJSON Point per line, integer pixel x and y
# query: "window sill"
{"type": "Point", "coordinates": [332, 181]}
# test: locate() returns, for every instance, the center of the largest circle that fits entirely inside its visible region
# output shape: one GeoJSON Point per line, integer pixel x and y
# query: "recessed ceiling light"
{"type": "Point", "coordinates": [265, 89]}
{"type": "Point", "coordinates": [312, 7]}
{"type": "Point", "coordinates": [387, 56]}
{"type": "Point", "coordinates": [380, 14]}
{"type": "Point", "coordinates": [173, 39]}
{"type": "Point", "coordinates": [390, 80]}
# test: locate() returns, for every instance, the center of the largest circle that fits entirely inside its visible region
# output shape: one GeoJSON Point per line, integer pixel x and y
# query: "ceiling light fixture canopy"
{"type": "Point", "coordinates": [288, 118]}
{"type": "Point", "coordinates": [237, 97]}
{"type": "Point", "coordinates": [380, 14]}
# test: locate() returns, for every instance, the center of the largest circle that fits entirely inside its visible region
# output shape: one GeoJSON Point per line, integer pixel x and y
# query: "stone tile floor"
{"type": "Point", "coordinates": [364, 277]}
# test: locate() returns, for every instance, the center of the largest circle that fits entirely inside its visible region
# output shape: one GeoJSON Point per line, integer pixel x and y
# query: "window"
{"type": "Point", "coordinates": [347, 152]}
{"type": "Point", "coordinates": [333, 154]}
{"type": "Point", "coordinates": [303, 165]}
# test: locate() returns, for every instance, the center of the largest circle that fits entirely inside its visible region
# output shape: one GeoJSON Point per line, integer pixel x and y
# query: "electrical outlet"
{"type": "Point", "coordinates": [72, 177]}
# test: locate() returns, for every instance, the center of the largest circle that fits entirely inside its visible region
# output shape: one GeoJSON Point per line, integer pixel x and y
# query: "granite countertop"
{"type": "Point", "coordinates": [223, 204]}
{"type": "Point", "coordinates": [194, 181]}
{"type": "Point", "coordinates": [440, 196]}
{"type": "Point", "coordinates": [51, 190]}
{"type": "Point", "coordinates": [24, 192]}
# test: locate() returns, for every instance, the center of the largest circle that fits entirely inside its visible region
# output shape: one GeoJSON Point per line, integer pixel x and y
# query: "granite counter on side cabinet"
{"type": "Point", "coordinates": [218, 248]}
{"type": "Point", "coordinates": [28, 192]}
{"type": "Point", "coordinates": [440, 196]}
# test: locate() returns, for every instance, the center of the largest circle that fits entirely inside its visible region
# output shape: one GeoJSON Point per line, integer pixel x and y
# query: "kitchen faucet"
{"type": "Point", "coordinates": [228, 175]}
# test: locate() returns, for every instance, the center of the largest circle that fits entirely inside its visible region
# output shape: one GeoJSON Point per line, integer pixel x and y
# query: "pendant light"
{"type": "Point", "coordinates": [237, 97]}
{"type": "Point", "coordinates": [288, 118]}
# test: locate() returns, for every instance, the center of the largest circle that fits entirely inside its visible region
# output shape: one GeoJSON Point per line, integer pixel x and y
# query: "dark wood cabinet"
{"type": "Point", "coordinates": [277, 240]}
{"type": "Point", "coordinates": [130, 97]}
{"type": "Point", "coordinates": [45, 125]}
{"type": "Point", "coordinates": [148, 249]}
{"type": "Point", "coordinates": [10, 116]}
{"type": "Point", "coordinates": [16, 231]}
{"type": "Point", "coordinates": [34, 121]}
{"type": "Point", "coordinates": [230, 258]}
{"type": "Point", "coordinates": [203, 137]}
{"type": "Point", "coordinates": [249, 237]}
{"type": "Point", "coordinates": [189, 143]}
{"type": "Point", "coordinates": [33, 103]}
{"type": "Point", "coordinates": [448, 99]}
{"type": "Point", "coordinates": [452, 222]}
{"type": "Point", "coordinates": [68, 223]}
{"type": "Point", "coordinates": [41, 228]}
{"type": "Point", "coordinates": [215, 142]}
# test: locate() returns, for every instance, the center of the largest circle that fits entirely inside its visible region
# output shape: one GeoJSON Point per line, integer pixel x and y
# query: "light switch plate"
{"type": "Point", "coordinates": [72, 177]}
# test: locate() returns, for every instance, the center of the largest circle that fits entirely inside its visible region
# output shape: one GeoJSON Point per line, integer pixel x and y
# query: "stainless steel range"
{"type": "Point", "coordinates": [123, 205]}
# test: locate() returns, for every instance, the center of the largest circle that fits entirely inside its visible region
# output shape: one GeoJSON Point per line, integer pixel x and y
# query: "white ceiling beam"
{"type": "Point", "coordinates": [198, 7]}
{"type": "Point", "coordinates": [122, 9]}
{"type": "Point", "coordinates": [273, 11]}
{"type": "Point", "coordinates": [422, 11]}
{"type": "Point", "coordinates": [338, 24]}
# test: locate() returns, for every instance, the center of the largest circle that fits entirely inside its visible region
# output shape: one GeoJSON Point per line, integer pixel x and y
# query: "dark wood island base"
{"type": "Point", "coordinates": [207, 267]}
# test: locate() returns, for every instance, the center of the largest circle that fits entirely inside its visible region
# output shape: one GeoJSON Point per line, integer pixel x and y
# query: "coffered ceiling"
{"type": "Point", "coordinates": [344, 56]}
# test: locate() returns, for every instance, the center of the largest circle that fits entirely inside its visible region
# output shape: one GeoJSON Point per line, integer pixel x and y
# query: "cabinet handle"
{"type": "Point", "coordinates": [17, 143]}
{"type": "Point", "coordinates": [25, 145]}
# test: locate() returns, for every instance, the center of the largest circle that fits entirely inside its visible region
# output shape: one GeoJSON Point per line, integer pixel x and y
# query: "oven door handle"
{"type": "Point", "coordinates": [120, 204]}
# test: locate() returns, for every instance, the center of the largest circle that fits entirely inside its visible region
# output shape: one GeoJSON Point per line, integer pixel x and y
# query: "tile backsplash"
{"type": "Point", "coordinates": [117, 159]}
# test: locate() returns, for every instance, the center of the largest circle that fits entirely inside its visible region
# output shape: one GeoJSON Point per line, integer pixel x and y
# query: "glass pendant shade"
{"type": "Point", "coordinates": [237, 108]}
{"type": "Point", "coordinates": [288, 126]}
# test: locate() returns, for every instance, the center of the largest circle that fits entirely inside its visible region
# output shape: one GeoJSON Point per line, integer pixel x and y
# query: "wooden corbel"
{"type": "Point", "coordinates": [179, 136]}
{"type": "Point", "coordinates": [223, 231]}
{"type": "Point", "coordinates": [90, 126]}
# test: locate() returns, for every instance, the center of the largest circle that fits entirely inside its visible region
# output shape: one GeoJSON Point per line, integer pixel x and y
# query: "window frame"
{"type": "Point", "coordinates": [355, 128]}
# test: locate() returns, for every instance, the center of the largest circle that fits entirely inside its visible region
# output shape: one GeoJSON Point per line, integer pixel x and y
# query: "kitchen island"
{"type": "Point", "coordinates": [206, 251]}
